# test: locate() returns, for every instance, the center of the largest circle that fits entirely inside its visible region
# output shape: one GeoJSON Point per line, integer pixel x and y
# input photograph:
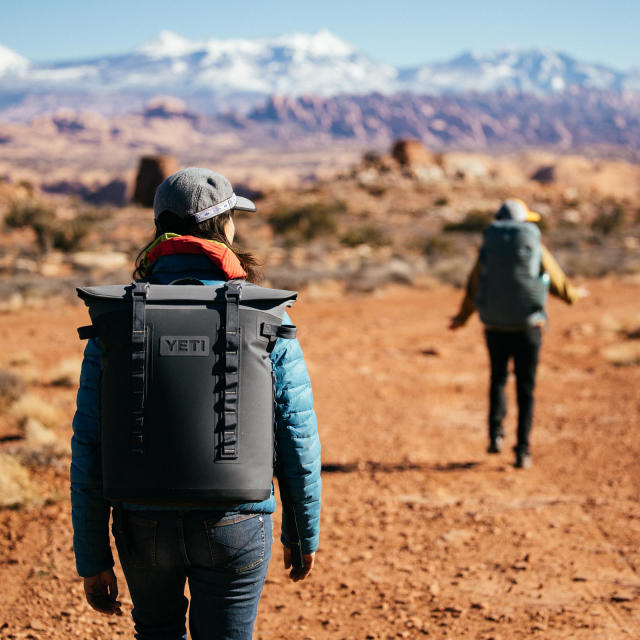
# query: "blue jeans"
{"type": "Point", "coordinates": [224, 557]}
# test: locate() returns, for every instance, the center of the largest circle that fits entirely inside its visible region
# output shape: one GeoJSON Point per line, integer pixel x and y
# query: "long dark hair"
{"type": "Point", "coordinates": [211, 229]}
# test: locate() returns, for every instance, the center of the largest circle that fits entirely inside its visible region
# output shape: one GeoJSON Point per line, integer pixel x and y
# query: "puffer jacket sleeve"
{"type": "Point", "coordinates": [89, 510]}
{"type": "Point", "coordinates": [297, 441]}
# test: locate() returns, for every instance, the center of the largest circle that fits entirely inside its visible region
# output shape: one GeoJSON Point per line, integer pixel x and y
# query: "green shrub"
{"type": "Point", "coordinates": [366, 234]}
{"type": "Point", "coordinates": [51, 232]}
{"type": "Point", "coordinates": [442, 201]}
{"type": "Point", "coordinates": [474, 221]}
{"type": "Point", "coordinates": [307, 221]}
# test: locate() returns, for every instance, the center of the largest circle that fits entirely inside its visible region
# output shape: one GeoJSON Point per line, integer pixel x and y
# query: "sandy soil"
{"type": "Point", "coordinates": [423, 533]}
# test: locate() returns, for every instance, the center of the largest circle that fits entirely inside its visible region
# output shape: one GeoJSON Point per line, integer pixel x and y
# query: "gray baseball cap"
{"type": "Point", "coordinates": [516, 210]}
{"type": "Point", "coordinates": [198, 193]}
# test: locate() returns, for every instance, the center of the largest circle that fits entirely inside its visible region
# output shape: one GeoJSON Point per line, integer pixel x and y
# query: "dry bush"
{"type": "Point", "coordinates": [50, 231]}
{"type": "Point", "coordinates": [623, 354]}
{"type": "Point", "coordinates": [368, 234]}
{"type": "Point", "coordinates": [11, 388]}
{"type": "Point", "coordinates": [16, 486]}
{"type": "Point", "coordinates": [40, 447]}
{"type": "Point", "coordinates": [437, 246]}
{"type": "Point", "coordinates": [609, 220]}
{"type": "Point", "coordinates": [453, 271]}
{"type": "Point", "coordinates": [31, 406]}
{"type": "Point", "coordinates": [21, 358]}
{"type": "Point", "coordinates": [475, 221]}
{"type": "Point", "coordinates": [307, 221]}
{"type": "Point", "coordinates": [66, 373]}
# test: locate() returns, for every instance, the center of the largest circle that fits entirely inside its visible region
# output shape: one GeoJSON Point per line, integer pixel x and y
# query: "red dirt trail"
{"type": "Point", "coordinates": [423, 533]}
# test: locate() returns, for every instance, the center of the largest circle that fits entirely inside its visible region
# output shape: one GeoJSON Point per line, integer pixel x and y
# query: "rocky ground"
{"type": "Point", "coordinates": [423, 534]}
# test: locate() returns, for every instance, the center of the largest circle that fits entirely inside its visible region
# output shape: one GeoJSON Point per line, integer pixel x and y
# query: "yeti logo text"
{"type": "Point", "coordinates": [184, 345]}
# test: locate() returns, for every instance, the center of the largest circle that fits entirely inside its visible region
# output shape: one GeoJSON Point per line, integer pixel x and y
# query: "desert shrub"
{"type": "Point", "coordinates": [609, 220]}
{"type": "Point", "coordinates": [623, 354]}
{"type": "Point", "coordinates": [453, 270]}
{"type": "Point", "coordinates": [66, 373]}
{"type": "Point", "coordinates": [31, 406]}
{"type": "Point", "coordinates": [16, 486]}
{"type": "Point", "coordinates": [442, 201]}
{"type": "Point", "coordinates": [376, 190]}
{"type": "Point", "coordinates": [475, 221]}
{"type": "Point", "coordinates": [28, 214]}
{"type": "Point", "coordinates": [307, 221]}
{"type": "Point", "coordinates": [436, 246]}
{"type": "Point", "coordinates": [11, 388]}
{"type": "Point", "coordinates": [366, 234]}
{"type": "Point", "coordinates": [50, 231]}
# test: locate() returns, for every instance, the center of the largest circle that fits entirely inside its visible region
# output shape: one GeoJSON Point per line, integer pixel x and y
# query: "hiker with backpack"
{"type": "Point", "coordinates": [181, 449]}
{"type": "Point", "coordinates": [508, 285]}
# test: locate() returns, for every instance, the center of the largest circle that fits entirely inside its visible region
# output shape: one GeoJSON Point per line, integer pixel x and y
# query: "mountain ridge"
{"type": "Point", "coordinates": [294, 65]}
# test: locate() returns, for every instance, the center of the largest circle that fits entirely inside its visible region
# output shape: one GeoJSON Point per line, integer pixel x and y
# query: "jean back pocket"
{"type": "Point", "coordinates": [236, 544]}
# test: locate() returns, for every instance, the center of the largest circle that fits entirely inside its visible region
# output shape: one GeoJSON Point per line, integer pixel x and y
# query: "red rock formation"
{"type": "Point", "coordinates": [151, 172]}
{"type": "Point", "coordinates": [412, 153]}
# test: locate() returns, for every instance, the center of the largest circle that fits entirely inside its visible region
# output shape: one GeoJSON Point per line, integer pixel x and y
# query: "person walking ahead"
{"type": "Point", "coordinates": [221, 549]}
{"type": "Point", "coordinates": [508, 286]}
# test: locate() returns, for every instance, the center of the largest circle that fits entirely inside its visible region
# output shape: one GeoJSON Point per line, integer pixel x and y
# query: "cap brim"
{"type": "Point", "coordinates": [532, 216]}
{"type": "Point", "coordinates": [244, 204]}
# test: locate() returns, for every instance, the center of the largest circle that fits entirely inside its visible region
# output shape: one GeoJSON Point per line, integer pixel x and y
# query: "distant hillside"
{"type": "Point", "coordinates": [568, 120]}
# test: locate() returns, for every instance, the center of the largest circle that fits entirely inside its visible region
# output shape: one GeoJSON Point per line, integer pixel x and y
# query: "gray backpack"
{"type": "Point", "coordinates": [187, 390]}
{"type": "Point", "coordinates": [512, 291]}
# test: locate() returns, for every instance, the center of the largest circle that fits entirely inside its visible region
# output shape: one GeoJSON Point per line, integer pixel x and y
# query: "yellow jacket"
{"type": "Point", "coordinates": [558, 285]}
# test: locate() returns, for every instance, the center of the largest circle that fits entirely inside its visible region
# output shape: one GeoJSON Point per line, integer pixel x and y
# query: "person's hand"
{"type": "Point", "coordinates": [455, 323]}
{"type": "Point", "coordinates": [101, 592]}
{"type": "Point", "coordinates": [298, 573]}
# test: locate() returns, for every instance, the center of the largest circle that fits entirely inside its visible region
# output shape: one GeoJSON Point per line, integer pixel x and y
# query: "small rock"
{"type": "Point", "coordinates": [621, 596]}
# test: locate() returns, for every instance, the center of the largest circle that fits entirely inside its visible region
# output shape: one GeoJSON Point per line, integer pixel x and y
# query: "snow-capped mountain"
{"type": "Point", "coordinates": [12, 63]}
{"type": "Point", "coordinates": [291, 65]}
{"type": "Point", "coordinates": [540, 71]}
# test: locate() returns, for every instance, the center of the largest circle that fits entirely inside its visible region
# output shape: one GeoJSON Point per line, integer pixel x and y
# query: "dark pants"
{"type": "Point", "coordinates": [523, 347]}
{"type": "Point", "coordinates": [223, 556]}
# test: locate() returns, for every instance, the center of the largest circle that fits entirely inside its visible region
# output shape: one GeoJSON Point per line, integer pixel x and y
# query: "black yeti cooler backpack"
{"type": "Point", "coordinates": [187, 390]}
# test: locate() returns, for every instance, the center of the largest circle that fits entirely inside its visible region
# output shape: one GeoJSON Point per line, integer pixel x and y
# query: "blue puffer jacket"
{"type": "Point", "coordinates": [296, 435]}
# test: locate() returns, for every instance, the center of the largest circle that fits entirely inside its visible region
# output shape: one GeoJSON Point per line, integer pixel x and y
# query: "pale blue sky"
{"type": "Point", "coordinates": [399, 32]}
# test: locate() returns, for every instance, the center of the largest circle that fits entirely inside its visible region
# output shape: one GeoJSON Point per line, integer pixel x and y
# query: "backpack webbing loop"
{"type": "Point", "coordinates": [229, 441]}
{"type": "Point", "coordinates": [138, 356]}
{"type": "Point", "coordinates": [273, 331]}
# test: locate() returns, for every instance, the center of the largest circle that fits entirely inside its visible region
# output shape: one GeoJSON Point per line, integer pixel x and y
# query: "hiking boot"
{"type": "Point", "coordinates": [523, 460]}
{"type": "Point", "coordinates": [495, 445]}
